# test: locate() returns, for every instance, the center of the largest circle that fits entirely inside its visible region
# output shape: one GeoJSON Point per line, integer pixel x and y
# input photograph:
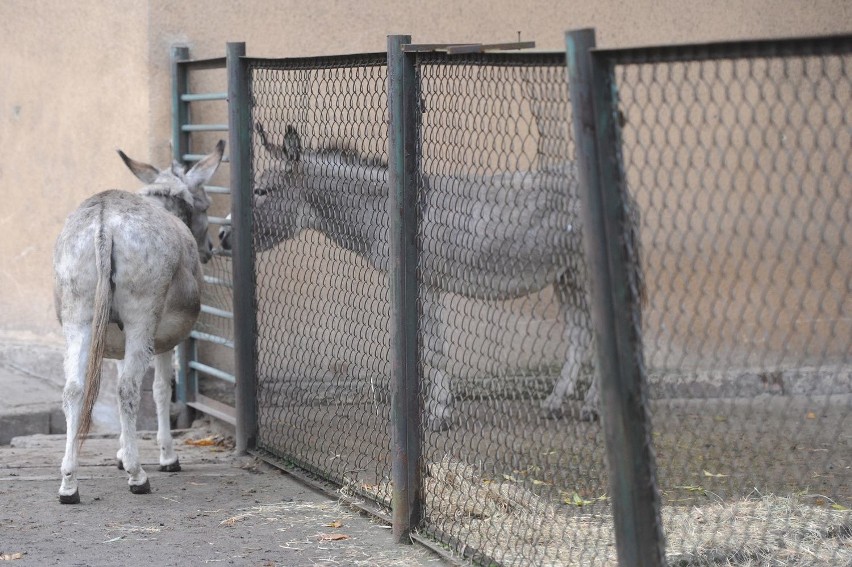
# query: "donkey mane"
{"type": "Point", "coordinates": [178, 203]}
{"type": "Point", "coordinates": [292, 150]}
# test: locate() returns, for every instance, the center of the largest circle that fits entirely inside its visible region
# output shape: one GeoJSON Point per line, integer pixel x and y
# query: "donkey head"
{"type": "Point", "coordinates": [277, 196]}
{"type": "Point", "coordinates": [181, 192]}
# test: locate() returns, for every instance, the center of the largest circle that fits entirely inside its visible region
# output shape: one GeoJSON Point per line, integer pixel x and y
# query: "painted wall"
{"type": "Point", "coordinates": [80, 79]}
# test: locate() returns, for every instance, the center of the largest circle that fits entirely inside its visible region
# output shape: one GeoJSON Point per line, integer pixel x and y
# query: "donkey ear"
{"type": "Point", "coordinates": [202, 171]}
{"type": "Point", "coordinates": [146, 173]}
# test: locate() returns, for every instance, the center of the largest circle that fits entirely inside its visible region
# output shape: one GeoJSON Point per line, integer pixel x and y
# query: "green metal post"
{"type": "Point", "coordinates": [624, 404]}
{"type": "Point", "coordinates": [405, 365]}
{"type": "Point", "coordinates": [239, 127]}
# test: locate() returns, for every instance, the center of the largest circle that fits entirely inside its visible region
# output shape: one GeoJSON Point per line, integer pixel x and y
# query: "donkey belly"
{"type": "Point", "coordinates": [173, 328]}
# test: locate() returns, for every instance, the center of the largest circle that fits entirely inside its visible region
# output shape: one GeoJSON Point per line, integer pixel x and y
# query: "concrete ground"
{"type": "Point", "coordinates": [220, 509]}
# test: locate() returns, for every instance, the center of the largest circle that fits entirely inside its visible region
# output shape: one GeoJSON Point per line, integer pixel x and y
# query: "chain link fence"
{"type": "Point", "coordinates": [737, 241]}
{"type": "Point", "coordinates": [321, 251]}
{"type": "Point", "coordinates": [739, 157]}
{"type": "Point", "coordinates": [514, 469]}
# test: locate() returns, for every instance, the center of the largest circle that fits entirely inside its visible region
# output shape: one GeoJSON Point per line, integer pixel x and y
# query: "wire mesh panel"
{"type": "Point", "coordinates": [513, 456]}
{"type": "Point", "coordinates": [739, 158]}
{"type": "Point", "coordinates": [320, 241]}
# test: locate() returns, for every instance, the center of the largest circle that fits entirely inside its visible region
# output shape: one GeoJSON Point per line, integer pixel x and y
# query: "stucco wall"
{"type": "Point", "coordinates": [84, 78]}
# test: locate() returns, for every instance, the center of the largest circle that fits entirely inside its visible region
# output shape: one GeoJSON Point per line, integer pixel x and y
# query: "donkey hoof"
{"type": "Point", "coordinates": [554, 413]}
{"type": "Point", "coordinates": [144, 488]}
{"type": "Point", "coordinates": [120, 464]}
{"type": "Point", "coordinates": [589, 414]}
{"type": "Point", "coordinates": [171, 467]}
{"type": "Point", "coordinates": [438, 424]}
{"type": "Point", "coordinates": [70, 498]}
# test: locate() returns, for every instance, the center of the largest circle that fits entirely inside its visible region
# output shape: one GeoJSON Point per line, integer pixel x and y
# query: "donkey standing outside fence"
{"type": "Point", "coordinates": [127, 275]}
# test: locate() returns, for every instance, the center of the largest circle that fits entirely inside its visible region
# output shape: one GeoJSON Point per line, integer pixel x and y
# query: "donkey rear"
{"type": "Point", "coordinates": [127, 278]}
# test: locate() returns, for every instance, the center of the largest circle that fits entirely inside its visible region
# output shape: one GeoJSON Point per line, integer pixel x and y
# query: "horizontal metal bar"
{"type": "Point", "coordinates": [199, 157]}
{"type": "Point", "coordinates": [458, 48]}
{"type": "Point", "coordinates": [328, 487]}
{"type": "Point", "coordinates": [800, 46]}
{"type": "Point", "coordinates": [217, 281]}
{"type": "Point", "coordinates": [215, 408]}
{"type": "Point", "coordinates": [219, 220]}
{"type": "Point", "coordinates": [214, 372]}
{"type": "Point", "coordinates": [202, 64]}
{"type": "Point", "coordinates": [207, 337]}
{"type": "Point", "coordinates": [204, 128]}
{"type": "Point", "coordinates": [222, 252]}
{"type": "Point", "coordinates": [199, 97]}
{"type": "Point", "coordinates": [217, 189]}
{"type": "Point", "coordinates": [216, 311]}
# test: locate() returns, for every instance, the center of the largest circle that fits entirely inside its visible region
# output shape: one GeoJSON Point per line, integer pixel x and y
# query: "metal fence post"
{"type": "Point", "coordinates": [624, 408]}
{"type": "Point", "coordinates": [405, 367]}
{"type": "Point", "coordinates": [239, 134]}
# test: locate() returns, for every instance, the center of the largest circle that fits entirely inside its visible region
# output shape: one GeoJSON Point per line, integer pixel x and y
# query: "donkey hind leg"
{"type": "Point", "coordinates": [137, 358]}
{"type": "Point", "coordinates": [77, 338]}
{"type": "Point", "coordinates": [439, 403]}
{"type": "Point", "coordinates": [163, 398]}
{"type": "Point", "coordinates": [577, 335]}
{"type": "Point", "coordinates": [119, 455]}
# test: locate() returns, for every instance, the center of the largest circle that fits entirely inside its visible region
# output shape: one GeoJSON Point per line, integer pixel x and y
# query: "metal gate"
{"type": "Point", "coordinates": [199, 118]}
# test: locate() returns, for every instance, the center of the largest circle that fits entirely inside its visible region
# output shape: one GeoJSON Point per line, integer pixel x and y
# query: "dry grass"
{"type": "Point", "coordinates": [321, 533]}
{"type": "Point", "coordinates": [513, 525]}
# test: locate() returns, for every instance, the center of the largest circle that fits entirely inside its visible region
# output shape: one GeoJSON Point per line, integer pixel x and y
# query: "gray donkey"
{"type": "Point", "coordinates": [127, 276]}
{"type": "Point", "coordinates": [491, 237]}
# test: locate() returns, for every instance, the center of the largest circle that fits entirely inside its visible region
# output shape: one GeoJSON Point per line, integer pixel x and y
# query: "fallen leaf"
{"type": "Point", "coordinates": [810, 415]}
{"type": "Point", "coordinates": [206, 442]}
{"type": "Point", "coordinates": [332, 537]}
{"type": "Point", "coordinates": [510, 478]}
{"type": "Point", "coordinates": [577, 500]}
{"type": "Point", "coordinates": [839, 507]}
{"type": "Point", "coordinates": [537, 482]}
{"type": "Point", "coordinates": [11, 556]}
{"type": "Point", "coordinates": [334, 524]}
{"type": "Point", "coordinates": [693, 489]}
{"type": "Point", "coordinates": [714, 475]}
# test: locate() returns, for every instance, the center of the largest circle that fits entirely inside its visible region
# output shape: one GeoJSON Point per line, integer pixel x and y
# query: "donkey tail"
{"type": "Point", "coordinates": [100, 321]}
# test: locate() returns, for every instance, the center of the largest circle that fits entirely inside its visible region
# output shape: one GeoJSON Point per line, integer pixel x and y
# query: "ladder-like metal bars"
{"type": "Point", "coordinates": [189, 365]}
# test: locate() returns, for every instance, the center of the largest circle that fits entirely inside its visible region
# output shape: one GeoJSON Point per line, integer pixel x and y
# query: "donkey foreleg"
{"type": "Point", "coordinates": [439, 402]}
{"type": "Point", "coordinates": [577, 335]}
{"type": "Point", "coordinates": [78, 338]}
{"type": "Point", "coordinates": [163, 398]}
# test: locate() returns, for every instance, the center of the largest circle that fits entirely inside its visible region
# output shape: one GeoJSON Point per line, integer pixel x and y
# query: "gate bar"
{"type": "Point", "coordinates": [624, 401]}
{"type": "Point", "coordinates": [239, 123]}
{"type": "Point", "coordinates": [404, 323]}
{"type": "Point", "coordinates": [185, 383]}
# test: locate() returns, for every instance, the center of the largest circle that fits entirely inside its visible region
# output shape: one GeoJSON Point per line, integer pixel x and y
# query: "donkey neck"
{"type": "Point", "coordinates": [177, 201]}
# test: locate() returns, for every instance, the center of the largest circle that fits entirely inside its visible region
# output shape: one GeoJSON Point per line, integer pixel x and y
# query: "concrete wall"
{"type": "Point", "coordinates": [84, 78]}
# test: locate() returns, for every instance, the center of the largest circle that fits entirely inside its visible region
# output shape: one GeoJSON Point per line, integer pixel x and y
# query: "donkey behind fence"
{"type": "Point", "coordinates": [494, 237]}
{"type": "Point", "coordinates": [127, 274]}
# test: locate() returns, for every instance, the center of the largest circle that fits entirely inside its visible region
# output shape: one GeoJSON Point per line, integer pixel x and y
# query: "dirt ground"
{"type": "Point", "coordinates": [219, 509]}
